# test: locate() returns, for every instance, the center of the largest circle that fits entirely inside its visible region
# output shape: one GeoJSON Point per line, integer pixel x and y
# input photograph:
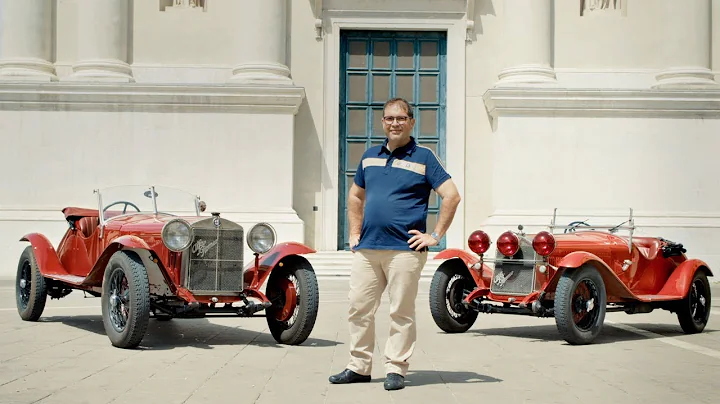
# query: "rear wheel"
{"type": "Point", "coordinates": [694, 310]}
{"type": "Point", "coordinates": [580, 304]}
{"type": "Point", "coordinates": [125, 300]}
{"type": "Point", "coordinates": [293, 291]}
{"type": "Point", "coordinates": [30, 287]}
{"type": "Point", "coordinates": [450, 284]}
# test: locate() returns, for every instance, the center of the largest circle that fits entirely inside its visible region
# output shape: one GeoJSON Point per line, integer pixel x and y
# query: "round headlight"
{"type": "Point", "coordinates": [261, 238]}
{"type": "Point", "coordinates": [177, 235]}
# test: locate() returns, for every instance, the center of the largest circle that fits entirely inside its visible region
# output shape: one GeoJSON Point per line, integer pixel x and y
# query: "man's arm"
{"type": "Point", "coordinates": [450, 201]}
{"type": "Point", "coordinates": [356, 202]}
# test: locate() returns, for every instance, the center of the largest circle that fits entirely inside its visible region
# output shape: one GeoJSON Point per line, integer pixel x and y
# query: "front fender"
{"type": "Point", "coordinates": [482, 275]}
{"type": "Point", "coordinates": [613, 285]}
{"type": "Point", "coordinates": [45, 255]}
{"type": "Point", "coordinates": [579, 258]}
{"type": "Point", "coordinates": [679, 282]}
{"type": "Point", "coordinates": [95, 277]}
{"type": "Point", "coordinates": [468, 259]}
{"type": "Point", "coordinates": [255, 275]}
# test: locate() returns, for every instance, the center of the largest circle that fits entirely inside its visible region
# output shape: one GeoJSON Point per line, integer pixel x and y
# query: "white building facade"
{"type": "Point", "coordinates": [263, 108]}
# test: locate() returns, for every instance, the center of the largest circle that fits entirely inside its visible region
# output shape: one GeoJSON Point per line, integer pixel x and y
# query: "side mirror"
{"type": "Point", "coordinates": [203, 206]}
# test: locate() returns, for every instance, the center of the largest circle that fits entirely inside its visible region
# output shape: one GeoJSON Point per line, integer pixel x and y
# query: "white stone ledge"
{"type": "Point", "coordinates": [642, 219]}
{"type": "Point", "coordinates": [128, 97]}
{"type": "Point", "coordinates": [48, 214]}
{"type": "Point", "coordinates": [640, 103]}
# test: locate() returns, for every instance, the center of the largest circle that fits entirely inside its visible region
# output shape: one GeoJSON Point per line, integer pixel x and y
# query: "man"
{"type": "Point", "coordinates": [387, 213]}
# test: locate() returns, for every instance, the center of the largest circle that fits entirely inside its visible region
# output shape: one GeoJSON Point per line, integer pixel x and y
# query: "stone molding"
{"type": "Point", "coordinates": [65, 96]}
{"type": "Point", "coordinates": [635, 103]}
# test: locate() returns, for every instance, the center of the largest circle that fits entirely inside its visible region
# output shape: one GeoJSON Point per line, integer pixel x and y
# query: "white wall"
{"type": "Point", "coordinates": [665, 169]}
{"type": "Point", "coordinates": [240, 164]}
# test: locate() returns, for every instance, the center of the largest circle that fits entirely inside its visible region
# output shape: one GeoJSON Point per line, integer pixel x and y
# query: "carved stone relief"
{"type": "Point", "coordinates": [166, 5]}
{"type": "Point", "coordinates": [595, 5]}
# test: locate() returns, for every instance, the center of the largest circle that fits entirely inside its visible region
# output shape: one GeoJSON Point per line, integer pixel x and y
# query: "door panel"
{"type": "Point", "coordinates": [376, 66]}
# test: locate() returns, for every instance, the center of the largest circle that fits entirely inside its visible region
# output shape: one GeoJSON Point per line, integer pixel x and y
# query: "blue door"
{"type": "Point", "coordinates": [374, 67]}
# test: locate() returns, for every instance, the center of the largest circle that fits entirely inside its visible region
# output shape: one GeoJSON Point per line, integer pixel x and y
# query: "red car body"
{"type": "Point", "coordinates": [168, 283]}
{"type": "Point", "coordinates": [575, 277]}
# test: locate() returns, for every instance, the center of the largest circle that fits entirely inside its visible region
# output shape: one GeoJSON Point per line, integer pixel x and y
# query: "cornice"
{"type": "Point", "coordinates": [229, 98]}
{"type": "Point", "coordinates": [635, 103]}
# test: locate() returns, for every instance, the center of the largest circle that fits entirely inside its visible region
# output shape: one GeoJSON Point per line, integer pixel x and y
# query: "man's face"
{"type": "Point", "coordinates": [397, 124]}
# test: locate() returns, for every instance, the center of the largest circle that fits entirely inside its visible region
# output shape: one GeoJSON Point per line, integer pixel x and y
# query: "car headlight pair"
{"type": "Point", "coordinates": [177, 236]}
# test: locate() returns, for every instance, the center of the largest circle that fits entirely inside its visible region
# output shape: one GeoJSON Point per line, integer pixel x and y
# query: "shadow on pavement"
{"type": "Point", "coordinates": [608, 335]}
{"type": "Point", "coordinates": [181, 333]}
{"type": "Point", "coordinates": [426, 377]}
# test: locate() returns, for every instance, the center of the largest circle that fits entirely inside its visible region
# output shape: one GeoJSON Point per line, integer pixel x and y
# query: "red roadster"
{"type": "Point", "coordinates": [148, 250]}
{"type": "Point", "coordinates": [576, 277]}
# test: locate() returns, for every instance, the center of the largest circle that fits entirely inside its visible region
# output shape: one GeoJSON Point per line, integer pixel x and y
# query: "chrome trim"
{"type": "Point", "coordinates": [154, 200]}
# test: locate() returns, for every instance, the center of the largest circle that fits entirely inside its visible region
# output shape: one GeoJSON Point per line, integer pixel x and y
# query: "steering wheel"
{"type": "Point", "coordinates": [575, 224]}
{"type": "Point", "coordinates": [124, 208]}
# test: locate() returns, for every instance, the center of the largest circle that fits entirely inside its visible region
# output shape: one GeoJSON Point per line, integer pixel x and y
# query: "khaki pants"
{"type": "Point", "coordinates": [373, 271]}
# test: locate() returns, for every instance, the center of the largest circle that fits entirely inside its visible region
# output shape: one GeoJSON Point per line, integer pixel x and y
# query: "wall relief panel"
{"type": "Point", "coordinates": [168, 5]}
{"type": "Point", "coordinates": [589, 6]}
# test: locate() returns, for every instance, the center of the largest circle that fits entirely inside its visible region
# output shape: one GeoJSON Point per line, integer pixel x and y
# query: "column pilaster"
{"type": "Point", "coordinates": [690, 45]}
{"type": "Point", "coordinates": [102, 42]}
{"type": "Point", "coordinates": [261, 53]}
{"type": "Point", "coordinates": [528, 44]}
{"type": "Point", "coordinates": [26, 41]}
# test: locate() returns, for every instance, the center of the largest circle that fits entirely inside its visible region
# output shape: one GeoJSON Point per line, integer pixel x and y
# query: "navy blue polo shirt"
{"type": "Point", "coordinates": [397, 188]}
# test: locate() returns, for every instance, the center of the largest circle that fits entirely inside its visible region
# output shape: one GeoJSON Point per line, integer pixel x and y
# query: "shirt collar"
{"type": "Point", "coordinates": [408, 149]}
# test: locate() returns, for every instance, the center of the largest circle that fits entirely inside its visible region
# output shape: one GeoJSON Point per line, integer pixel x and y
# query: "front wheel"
{"type": "Point", "coordinates": [293, 292]}
{"type": "Point", "coordinates": [580, 304]}
{"type": "Point", "coordinates": [30, 287]}
{"type": "Point", "coordinates": [694, 310]}
{"type": "Point", "coordinates": [448, 288]}
{"type": "Point", "coordinates": [125, 300]}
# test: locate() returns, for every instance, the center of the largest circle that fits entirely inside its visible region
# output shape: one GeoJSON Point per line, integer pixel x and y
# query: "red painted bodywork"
{"type": "Point", "coordinates": [649, 278]}
{"type": "Point", "coordinates": [86, 248]}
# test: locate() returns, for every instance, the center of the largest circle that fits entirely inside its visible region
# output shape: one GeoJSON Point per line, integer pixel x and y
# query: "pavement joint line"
{"type": "Point", "coordinates": [667, 340]}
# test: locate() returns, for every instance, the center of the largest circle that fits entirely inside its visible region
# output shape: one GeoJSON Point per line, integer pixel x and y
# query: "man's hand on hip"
{"type": "Point", "coordinates": [421, 240]}
{"type": "Point", "coordinates": [354, 240]}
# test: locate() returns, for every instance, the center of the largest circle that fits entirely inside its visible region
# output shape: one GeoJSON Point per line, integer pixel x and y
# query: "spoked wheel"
{"type": "Point", "coordinates": [694, 311]}
{"type": "Point", "coordinates": [30, 287]}
{"type": "Point", "coordinates": [449, 286]}
{"type": "Point", "coordinates": [125, 300]}
{"type": "Point", "coordinates": [293, 292]}
{"type": "Point", "coordinates": [580, 304]}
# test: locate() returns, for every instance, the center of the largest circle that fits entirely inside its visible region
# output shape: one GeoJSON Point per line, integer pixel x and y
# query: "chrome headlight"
{"type": "Point", "coordinates": [177, 235]}
{"type": "Point", "coordinates": [261, 238]}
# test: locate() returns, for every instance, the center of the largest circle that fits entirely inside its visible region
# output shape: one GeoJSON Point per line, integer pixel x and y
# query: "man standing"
{"type": "Point", "coordinates": [387, 213]}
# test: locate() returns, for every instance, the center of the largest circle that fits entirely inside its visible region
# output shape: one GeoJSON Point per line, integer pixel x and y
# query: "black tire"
{"type": "Point", "coordinates": [294, 325]}
{"type": "Point", "coordinates": [30, 287]}
{"type": "Point", "coordinates": [693, 311]}
{"type": "Point", "coordinates": [447, 289]}
{"type": "Point", "coordinates": [125, 304]}
{"type": "Point", "coordinates": [577, 324]}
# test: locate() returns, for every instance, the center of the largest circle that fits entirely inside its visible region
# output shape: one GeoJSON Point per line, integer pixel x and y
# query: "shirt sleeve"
{"type": "Point", "coordinates": [435, 171]}
{"type": "Point", "coordinates": [360, 174]}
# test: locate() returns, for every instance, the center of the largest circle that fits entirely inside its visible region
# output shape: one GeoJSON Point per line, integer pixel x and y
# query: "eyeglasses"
{"type": "Point", "coordinates": [400, 119]}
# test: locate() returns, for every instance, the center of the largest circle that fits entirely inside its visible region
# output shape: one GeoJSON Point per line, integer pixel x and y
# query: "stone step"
{"type": "Point", "coordinates": [337, 264]}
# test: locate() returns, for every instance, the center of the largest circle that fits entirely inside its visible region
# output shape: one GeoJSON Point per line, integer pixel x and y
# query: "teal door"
{"type": "Point", "coordinates": [374, 67]}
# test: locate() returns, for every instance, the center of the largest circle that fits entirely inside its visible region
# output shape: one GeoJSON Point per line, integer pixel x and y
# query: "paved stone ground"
{"type": "Point", "coordinates": [66, 358]}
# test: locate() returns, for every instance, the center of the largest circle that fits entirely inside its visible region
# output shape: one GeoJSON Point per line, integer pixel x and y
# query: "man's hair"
{"type": "Point", "coordinates": [402, 102]}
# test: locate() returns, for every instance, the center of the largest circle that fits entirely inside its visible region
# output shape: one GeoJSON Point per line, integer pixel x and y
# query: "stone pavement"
{"type": "Point", "coordinates": [66, 358]}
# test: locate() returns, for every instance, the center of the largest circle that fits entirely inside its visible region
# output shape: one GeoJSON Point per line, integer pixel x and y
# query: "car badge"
{"type": "Point", "coordinates": [501, 278]}
{"type": "Point", "coordinates": [216, 221]}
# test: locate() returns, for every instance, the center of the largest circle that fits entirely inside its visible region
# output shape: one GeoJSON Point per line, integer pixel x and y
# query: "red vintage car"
{"type": "Point", "coordinates": [150, 250]}
{"type": "Point", "coordinates": [575, 276]}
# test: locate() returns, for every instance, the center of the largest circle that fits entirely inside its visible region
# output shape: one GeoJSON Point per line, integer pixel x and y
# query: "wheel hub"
{"type": "Point", "coordinates": [23, 283]}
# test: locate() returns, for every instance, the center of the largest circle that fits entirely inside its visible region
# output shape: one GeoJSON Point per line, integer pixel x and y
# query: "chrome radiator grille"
{"type": "Point", "coordinates": [515, 278]}
{"type": "Point", "coordinates": [214, 261]}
